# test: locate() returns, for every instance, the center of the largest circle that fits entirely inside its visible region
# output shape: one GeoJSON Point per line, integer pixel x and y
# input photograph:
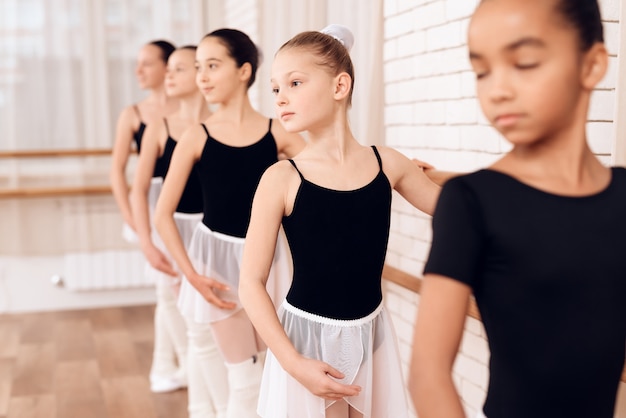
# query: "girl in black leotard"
{"type": "Point", "coordinates": [132, 121]}
{"type": "Point", "coordinates": [333, 349]}
{"type": "Point", "coordinates": [538, 237]}
{"type": "Point", "coordinates": [154, 160]}
{"type": "Point", "coordinates": [131, 126]}
{"type": "Point", "coordinates": [230, 150]}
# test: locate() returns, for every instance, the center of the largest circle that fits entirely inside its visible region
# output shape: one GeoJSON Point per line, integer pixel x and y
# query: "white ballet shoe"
{"type": "Point", "coordinates": [160, 384]}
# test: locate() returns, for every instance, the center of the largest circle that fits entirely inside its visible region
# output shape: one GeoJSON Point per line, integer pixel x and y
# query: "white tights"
{"type": "Point", "coordinates": [244, 356]}
{"type": "Point", "coordinates": [170, 341]}
{"type": "Point", "coordinates": [207, 380]}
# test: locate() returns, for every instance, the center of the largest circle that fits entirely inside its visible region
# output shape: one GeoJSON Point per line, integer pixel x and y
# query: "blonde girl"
{"type": "Point", "coordinates": [332, 348]}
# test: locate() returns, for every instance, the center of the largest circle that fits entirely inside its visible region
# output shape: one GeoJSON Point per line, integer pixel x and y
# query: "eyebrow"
{"type": "Point", "coordinates": [527, 41]}
{"type": "Point", "coordinates": [289, 73]}
{"type": "Point", "coordinates": [210, 59]}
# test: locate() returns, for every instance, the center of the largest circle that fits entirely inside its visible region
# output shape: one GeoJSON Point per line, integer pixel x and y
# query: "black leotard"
{"type": "Point", "coordinates": [338, 241]}
{"type": "Point", "coordinates": [549, 276]}
{"type": "Point", "coordinates": [229, 177]}
{"type": "Point", "coordinates": [138, 134]}
{"type": "Point", "coordinates": [191, 199]}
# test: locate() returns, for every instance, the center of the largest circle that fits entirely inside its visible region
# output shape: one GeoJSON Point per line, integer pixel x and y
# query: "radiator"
{"type": "Point", "coordinates": [105, 270]}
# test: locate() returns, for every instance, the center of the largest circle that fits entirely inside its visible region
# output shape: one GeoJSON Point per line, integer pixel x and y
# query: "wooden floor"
{"type": "Point", "coordinates": [81, 364]}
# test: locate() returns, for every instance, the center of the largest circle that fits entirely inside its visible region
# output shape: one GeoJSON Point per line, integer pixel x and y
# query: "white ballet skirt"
{"type": "Point", "coordinates": [129, 234]}
{"type": "Point", "coordinates": [218, 256]}
{"type": "Point", "coordinates": [156, 184]}
{"type": "Point", "coordinates": [185, 223]}
{"type": "Point", "coordinates": [364, 350]}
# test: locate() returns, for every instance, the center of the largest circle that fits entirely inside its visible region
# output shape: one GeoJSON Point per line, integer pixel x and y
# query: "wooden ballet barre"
{"type": "Point", "coordinates": [414, 283]}
{"type": "Point", "coordinates": [94, 152]}
{"type": "Point", "coordinates": [53, 191]}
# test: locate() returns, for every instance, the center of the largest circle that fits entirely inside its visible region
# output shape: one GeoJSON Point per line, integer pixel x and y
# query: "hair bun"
{"type": "Point", "coordinates": [340, 33]}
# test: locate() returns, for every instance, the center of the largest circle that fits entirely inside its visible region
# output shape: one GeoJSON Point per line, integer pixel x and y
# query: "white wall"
{"type": "Point", "coordinates": [25, 286]}
{"type": "Point", "coordinates": [431, 113]}
{"type": "Point", "coordinates": [76, 238]}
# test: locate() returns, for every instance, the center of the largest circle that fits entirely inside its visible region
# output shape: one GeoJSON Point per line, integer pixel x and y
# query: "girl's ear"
{"type": "Point", "coordinates": [343, 81]}
{"type": "Point", "coordinates": [595, 63]}
{"type": "Point", "coordinates": [245, 71]}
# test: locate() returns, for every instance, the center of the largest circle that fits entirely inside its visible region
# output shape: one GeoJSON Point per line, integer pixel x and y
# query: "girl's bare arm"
{"type": "Point", "coordinates": [438, 332]}
{"type": "Point", "coordinates": [119, 159]}
{"type": "Point", "coordinates": [409, 180]}
{"type": "Point", "coordinates": [267, 212]}
{"type": "Point", "coordinates": [150, 151]}
{"type": "Point", "coordinates": [186, 153]}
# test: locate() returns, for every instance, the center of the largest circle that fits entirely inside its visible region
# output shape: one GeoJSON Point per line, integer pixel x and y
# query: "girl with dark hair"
{"type": "Point", "coordinates": [538, 237]}
{"type": "Point", "coordinates": [332, 348]}
{"type": "Point", "coordinates": [131, 124]}
{"type": "Point", "coordinates": [158, 145]}
{"type": "Point", "coordinates": [230, 151]}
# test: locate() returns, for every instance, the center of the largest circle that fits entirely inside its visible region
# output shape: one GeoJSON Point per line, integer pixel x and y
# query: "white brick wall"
{"type": "Point", "coordinates": [431, 113]}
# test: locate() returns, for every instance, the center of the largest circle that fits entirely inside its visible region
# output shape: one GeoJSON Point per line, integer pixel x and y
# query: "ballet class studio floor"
{"type": "Point", "coordinates": [81, 364]}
